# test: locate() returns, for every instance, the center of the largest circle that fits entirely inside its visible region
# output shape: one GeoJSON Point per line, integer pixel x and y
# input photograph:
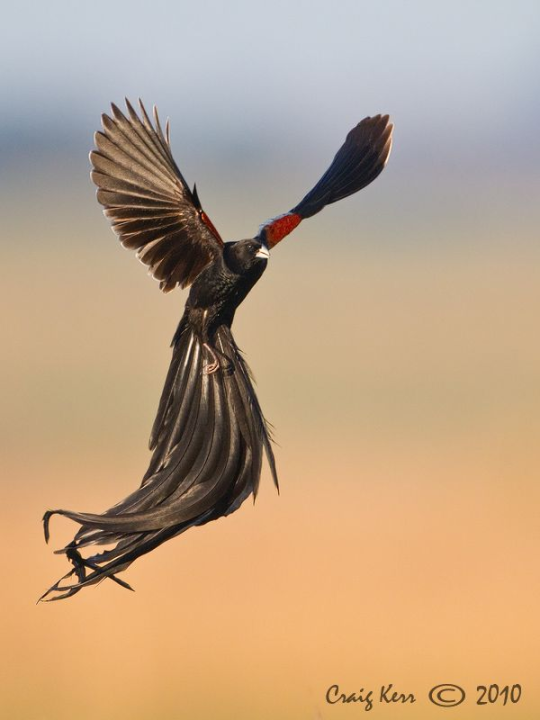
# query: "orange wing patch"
{"type": "Point", "coordinates": [210, 225]}
{"type": "Point", "coordinates": [275, 230]}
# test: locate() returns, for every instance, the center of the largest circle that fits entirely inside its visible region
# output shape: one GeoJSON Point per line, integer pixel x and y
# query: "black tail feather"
{"type": "Point", "coordinates": [208, 442]}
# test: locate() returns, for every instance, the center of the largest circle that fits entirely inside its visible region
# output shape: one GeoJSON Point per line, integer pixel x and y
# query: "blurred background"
{"type": "Point", "coordinates": [394, 338]}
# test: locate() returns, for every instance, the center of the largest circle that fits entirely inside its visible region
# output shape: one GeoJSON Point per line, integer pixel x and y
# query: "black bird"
{"type": "Point", "coordinates": [209, 435]}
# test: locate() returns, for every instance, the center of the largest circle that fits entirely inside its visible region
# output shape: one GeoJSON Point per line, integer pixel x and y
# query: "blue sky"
{"type": "Point", "coordinates": [261, 95]}
{"type": "Point", "coordinates": [238, 74]}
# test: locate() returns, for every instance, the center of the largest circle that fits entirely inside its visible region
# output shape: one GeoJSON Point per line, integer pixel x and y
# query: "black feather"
{"type": "Point", "coordinates": [208, 441]}
{"type": "Point", "coordinates": [360, 159]}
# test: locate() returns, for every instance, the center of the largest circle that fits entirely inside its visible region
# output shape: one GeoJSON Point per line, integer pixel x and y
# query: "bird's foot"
{"type": "Point", "coordinates": [212, 367]}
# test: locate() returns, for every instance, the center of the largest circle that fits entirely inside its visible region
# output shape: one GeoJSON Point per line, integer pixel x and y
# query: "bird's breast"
{"type": "Point", "coordinates": [216, 294]}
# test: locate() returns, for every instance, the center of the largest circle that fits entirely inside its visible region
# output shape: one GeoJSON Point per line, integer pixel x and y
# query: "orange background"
{"type": "Point", "coordinates": [404, 545]}
{"type": "Point", "coordinates": [395, 342]}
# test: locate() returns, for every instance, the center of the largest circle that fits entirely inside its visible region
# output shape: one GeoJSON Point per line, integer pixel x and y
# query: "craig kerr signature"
{"type": "Point", "coordinates": [385, 695]}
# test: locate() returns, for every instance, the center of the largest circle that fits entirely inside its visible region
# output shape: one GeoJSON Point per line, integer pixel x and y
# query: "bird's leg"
{"type": "Point", "coordinates": [210, 368]}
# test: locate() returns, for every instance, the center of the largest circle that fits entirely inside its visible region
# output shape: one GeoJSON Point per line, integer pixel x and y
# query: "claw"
{"type": "Point", "coordinates": [210, 368]}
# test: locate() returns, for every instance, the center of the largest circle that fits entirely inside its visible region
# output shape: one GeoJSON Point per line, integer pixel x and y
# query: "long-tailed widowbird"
{"type": "Point", "coordinates": [209, 435]}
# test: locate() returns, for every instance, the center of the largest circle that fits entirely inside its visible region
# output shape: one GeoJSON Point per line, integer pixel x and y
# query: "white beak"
{"type": "Point", "coordinates": [263, 253]}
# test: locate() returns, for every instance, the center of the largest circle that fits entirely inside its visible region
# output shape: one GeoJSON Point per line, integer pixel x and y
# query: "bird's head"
{"type": "Point", "coordinates": [245, 255]}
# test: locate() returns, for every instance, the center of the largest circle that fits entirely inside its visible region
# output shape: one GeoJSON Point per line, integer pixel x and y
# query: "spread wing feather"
{"type": "Point", "coordinates": [357, 163]}
{"type": "Point", "coordinates": [147, 200]}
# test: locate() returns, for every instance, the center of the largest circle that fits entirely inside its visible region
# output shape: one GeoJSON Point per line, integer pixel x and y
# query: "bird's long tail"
{"type": "Point", "coordinates": [208, 441]}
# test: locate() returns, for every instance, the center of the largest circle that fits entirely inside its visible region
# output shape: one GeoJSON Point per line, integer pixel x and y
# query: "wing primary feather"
{"type": "Point", "coordinates": [361, 158]}
{"type": "Point", "coordinates": [138, 181]}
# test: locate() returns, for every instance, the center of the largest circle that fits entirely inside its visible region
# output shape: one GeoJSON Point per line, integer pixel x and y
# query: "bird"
{"type": "Point", "coordinates": [210, 435]}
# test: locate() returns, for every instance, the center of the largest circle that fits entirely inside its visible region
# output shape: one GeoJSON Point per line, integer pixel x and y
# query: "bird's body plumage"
{"type": "Point", "coordinates": [209, 435]}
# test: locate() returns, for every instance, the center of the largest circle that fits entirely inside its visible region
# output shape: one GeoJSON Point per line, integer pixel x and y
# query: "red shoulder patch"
{"type": "Point", "coordinates": [210, 225]}
{"type": "Point", "coordinates": [278, 228]}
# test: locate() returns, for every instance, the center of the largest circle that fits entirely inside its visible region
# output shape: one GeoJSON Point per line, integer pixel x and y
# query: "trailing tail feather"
{"type": "Point", "coordinates": [207, 440]}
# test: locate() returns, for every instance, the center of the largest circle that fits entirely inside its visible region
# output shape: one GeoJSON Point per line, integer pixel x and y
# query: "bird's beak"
{"type": "Point", "coordinates": [263, 253]}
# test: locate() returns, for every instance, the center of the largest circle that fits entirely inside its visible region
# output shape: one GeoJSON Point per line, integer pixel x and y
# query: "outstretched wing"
{"type": "Point", "coordinates": [146, 198]}
{"type": "Point", "coordinates": [360, 159]}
